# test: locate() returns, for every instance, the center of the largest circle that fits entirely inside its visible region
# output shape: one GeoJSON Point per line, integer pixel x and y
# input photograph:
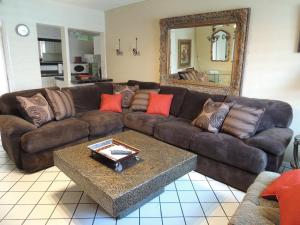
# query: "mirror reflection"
{"type": "Point", "coordinates": [203, 54]}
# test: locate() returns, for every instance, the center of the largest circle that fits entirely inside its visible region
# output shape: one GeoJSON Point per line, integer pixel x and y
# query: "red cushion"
{"type": "Point", "coordinates": [289, 178]}
{"type": "Point", "coordinates": [289, 198]}
{"type": "Point", "coordinates": [159, 104]}
{"type": "Point", "coordinates": [111, 103]}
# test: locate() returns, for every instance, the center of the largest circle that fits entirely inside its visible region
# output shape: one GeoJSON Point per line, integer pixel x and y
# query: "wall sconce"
{"type": "Point", "coordinates": [135, 50]}
{"type": "Point", "coordinates": [118, 50]}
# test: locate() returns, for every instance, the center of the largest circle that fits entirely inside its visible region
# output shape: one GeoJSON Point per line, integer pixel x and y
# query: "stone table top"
{"type": "Point", "coordinates": [160, 164]}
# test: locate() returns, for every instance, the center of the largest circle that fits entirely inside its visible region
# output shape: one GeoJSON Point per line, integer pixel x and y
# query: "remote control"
{"type": "Point", "coordinates": [120, 152]}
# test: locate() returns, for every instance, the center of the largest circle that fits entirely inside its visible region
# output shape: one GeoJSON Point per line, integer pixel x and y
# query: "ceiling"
{"type": "Point", "coordinates": [98, 4]}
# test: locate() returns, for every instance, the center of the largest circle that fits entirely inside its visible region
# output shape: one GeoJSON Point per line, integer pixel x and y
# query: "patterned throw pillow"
{"type": "Point", "coordinates": [141, 99]}
{"type": "Point", "coordinates": [36, 109]}
{"type": "Point", "coordinates": [127, 93]}
{"type": "Point", "coordinates": [61, 103]}
{"type": "Point", "coordinates": [242, 121]}
{"type": "Point", "coordinates": [212, 116]}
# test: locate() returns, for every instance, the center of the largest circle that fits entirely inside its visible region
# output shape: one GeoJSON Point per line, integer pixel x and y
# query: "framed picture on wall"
{"type": "Point", "coordinates": [184, 53]}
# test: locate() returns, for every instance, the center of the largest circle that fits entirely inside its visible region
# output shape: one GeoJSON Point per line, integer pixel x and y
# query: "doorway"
{"type": "Point", "coordinates": [4, 88]}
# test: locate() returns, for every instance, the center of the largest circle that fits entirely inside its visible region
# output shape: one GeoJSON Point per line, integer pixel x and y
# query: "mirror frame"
{"type": "Point", "coordinates": [238, 16]}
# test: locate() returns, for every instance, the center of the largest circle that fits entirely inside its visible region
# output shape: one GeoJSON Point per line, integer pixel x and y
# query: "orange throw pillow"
{"type": "Point", "coordinates": [285, 180]}
{"type": "Point", "coordinates": [159, 104]}
{"type": "Point", "coordinates": [111, 103]}
{"type": "Point", "coordinates": [289, 198]}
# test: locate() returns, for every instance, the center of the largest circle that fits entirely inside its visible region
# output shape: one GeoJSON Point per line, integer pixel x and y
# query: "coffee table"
{"type": "Point", "coordinates": [121, 193]}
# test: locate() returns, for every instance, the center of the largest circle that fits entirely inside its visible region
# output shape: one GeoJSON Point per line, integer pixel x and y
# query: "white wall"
{"type": "Point", "coordinates": [23, 61]}
{"type": "Point", "coordinates": [272, 67]}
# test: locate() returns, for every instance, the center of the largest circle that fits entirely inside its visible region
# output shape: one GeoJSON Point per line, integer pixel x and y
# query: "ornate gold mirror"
{"type": "Point", "coordinates": [205, 52]}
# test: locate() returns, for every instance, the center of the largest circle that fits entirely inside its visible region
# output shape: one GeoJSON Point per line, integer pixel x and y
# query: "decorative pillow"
{"type": "Point", "coordinates": [212, 116]}
{"type": "Point", "coordinates": [202, 77]}
{"type": "Point", "coordinates": [36, 109]}
{"type": "Point", "coordinates": [286, 179]}
{"type": "Point", "coordinates": [141, 99]}
{"type": "Point", "coordinates": [127, 93]}
{"type": "Point", "coordinates": [159, 104]}
{"type": "Point", "coordinates": [111, 103]}
{"type": "Point", "coordinates": [242, 121]}
{"type": "Point", "coordinates": [61, 103]}
{"type": "Point", "coordinates": [289, 198]}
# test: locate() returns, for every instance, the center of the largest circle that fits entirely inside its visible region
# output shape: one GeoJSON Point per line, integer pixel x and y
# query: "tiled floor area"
{"type": "Point", "coordinates": [49, 197]}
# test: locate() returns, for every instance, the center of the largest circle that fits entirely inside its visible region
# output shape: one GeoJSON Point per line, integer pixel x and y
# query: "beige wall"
{"type": "Point", "coordinates": [272, 67]}
{"type": "Point", "coordinates": [204, 50]}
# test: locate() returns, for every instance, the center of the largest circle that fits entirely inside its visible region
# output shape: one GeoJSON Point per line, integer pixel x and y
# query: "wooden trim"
{"type": "Point", "coordinates": [238, 16]}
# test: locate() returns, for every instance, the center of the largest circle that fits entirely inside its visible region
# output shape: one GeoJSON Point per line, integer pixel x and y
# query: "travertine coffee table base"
{"type": "Point", "coordinates": [121, 193]}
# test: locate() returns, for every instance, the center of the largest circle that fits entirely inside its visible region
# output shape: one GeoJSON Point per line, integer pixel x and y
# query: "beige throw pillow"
{"type": "Point", "coordinates": [36, 109]}
{"type": "Point", "coordinates": [141, 99]}
{"type": "Point", "coordinates": [127, 93]}
{"type": "Point", "coordinates": [212, 116]}
{"type": "Point", "coordinates": [242, 121]}
{"type": "Point", "coordinates": [61, 103]}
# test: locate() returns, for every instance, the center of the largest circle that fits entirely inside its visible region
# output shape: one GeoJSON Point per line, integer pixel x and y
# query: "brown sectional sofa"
{"type": "Point", "coordinates": [220, 156]}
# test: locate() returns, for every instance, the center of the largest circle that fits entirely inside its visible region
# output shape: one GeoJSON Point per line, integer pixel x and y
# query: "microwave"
{"type": "Point", "coordinates": [78, 68]}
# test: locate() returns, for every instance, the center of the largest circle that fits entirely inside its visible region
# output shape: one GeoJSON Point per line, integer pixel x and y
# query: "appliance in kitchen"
{"type": "Point", "coordinates": [79, 68]}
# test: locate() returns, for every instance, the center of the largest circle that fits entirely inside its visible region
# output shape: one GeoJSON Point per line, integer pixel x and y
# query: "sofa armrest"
{"type": "Point", "coordinates": [13, 125]}
{"type": "Point", "coordinates": [12, 128]}
{"type": "Point", "coordinates": [273, 141]}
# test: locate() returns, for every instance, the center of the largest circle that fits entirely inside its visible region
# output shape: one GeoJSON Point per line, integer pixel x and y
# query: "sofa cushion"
{"type": "Point", "coordinates": [277, 113]}
{"type": "Point", "coordinates": [177, 132]}
{"type": "Point", "coordinates": [36, 109]}
{"type": "Point", "coordinates": [178, 93]}
{"type": "Point", "coordinates": [229, 150]}
{"type": "Point", "coordinates": [10, 105]}
{"type": "Point", "coordinates": [143, 122]}
{"type": "Point", "coordinates": [111, 103]}
{"type": "Point", "coordinates": [212, 116]}
{"type": "Point", "coordinates": [127, 93]}
{"type": "Point", "coordinates": [54, 134]}
{"type": "Point", "coordinates": [62, 103]}
{"type": "Point", "coordinates": [159, 104]}
{"type": "Point", "coordinates": [273, 141]}
{"type": "Point", "coordinates": [140, 100]}
{"type": "Point", "coordinates": [91, 93]}
{"type": "Point", "coordinates": [103, 123]}
{"type": "Point", "coordinates": [242, 121]}
{"type": "Point", "coordinates": [193, 103]}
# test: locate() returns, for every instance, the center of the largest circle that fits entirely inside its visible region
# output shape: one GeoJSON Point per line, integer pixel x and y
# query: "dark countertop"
{"type": "Point", "coordinates": [73, 81]}
{"type": "Point", "coordinates": [51, 63]}
{"type": "Point", "coordinates": [51, 73]}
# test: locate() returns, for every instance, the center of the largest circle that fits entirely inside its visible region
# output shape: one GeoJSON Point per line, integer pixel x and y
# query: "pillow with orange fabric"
{"type": "Point", "coordinates": [159, 104]}
{"type": "Point", "coordinates": [111, 103]}
{"type": "Point", "coordinates": [285, 180]}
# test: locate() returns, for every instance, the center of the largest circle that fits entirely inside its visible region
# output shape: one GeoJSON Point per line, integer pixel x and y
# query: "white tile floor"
{"type": "Point", "coordinates": [50, 197]}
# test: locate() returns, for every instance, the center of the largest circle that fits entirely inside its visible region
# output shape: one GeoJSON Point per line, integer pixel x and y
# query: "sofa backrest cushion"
{"type": "Point", "coordinates": [277, 113]}
{"type": "Point", "coordinates": [87, 98]}
{"type": "Point", "coordinates": [144, 85]}
{"type": "Point", "coordinates": [9, 104]}
{"type": "Point", "coordinates": [193, 103]}
{"type": "Point", "coordinates": [178, 97]}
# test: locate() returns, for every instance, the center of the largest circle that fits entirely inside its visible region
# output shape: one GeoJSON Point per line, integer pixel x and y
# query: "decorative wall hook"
{"type": "Point", "coordinates": [118, 50]}
{"type": "Point", "coordinates": [135, 50]}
